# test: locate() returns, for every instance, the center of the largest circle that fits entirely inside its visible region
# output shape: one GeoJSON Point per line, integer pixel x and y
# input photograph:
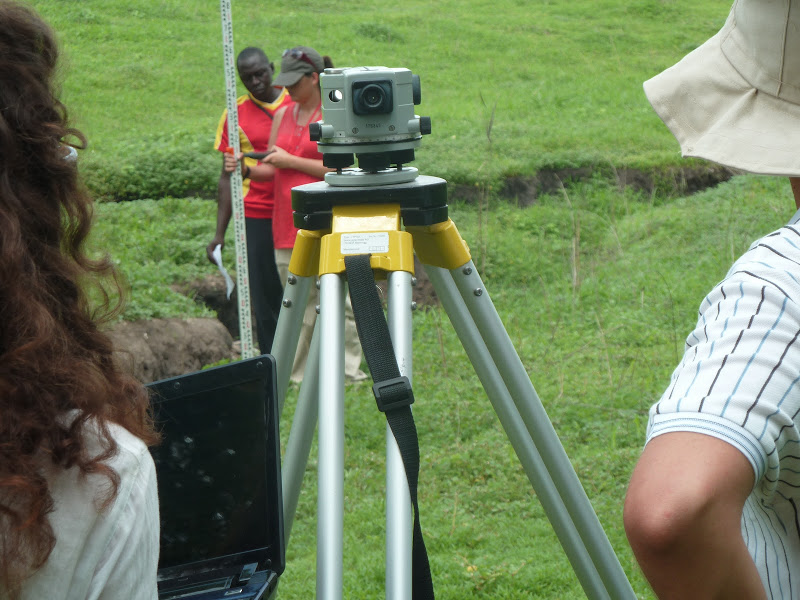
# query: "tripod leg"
{"type": "Point", "coordinates": [330, 492]}
{"type": "Point", "coordinates": [284, 347]}
{"type": "Point", "coordinates": [298, 446]}
{"type": "Point", "coordinates": [399, 522]}
{"type": "Point", "coordinates": [515, 430]}
{"type": "Point", "coordinates": [287, 333]}
{"type": "Point", "coordinates": [541, 430]}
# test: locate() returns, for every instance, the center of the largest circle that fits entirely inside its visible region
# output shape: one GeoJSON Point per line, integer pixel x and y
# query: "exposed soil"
{"type": "Point", "coordinates": [673, 181]}
{"type": "Point", "coordinates": [160, 348]}
{"type": "Point", "coordinates": [211, 291]}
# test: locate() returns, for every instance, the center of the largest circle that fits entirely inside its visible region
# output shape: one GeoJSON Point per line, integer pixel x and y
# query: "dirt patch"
{"type": "Point", "coordinates": [211, 291]}
{"type": "Point", "coordinates": [675, 181]}
{"type": "Point", "coordinates": [423, 293]}
{"type": "Point", "coordinates": [160, 348]}
{"type": "Point", "coordinates": [672, 182]}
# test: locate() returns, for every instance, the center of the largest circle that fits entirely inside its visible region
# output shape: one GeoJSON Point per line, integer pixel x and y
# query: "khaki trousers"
{"type": "Point", "coordinates": [352, 345]}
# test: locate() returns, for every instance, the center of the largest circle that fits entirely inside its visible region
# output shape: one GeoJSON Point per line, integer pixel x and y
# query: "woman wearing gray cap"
{"type": "Point", "coordinates": [712, 506]}
{"type": "Point", "coordinates": [295, 160]}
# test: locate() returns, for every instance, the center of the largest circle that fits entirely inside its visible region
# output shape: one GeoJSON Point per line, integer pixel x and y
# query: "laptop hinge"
{"type": "Point", "coordinates": [247, 572]}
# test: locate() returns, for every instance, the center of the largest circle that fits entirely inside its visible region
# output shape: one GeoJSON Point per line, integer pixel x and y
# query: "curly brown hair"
{"type": "Point", "coordinates": [54, 359]}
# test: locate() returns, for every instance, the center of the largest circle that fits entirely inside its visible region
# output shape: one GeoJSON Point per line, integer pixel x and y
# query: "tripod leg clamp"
{"type": "Point", "coordinates": [393, 393]}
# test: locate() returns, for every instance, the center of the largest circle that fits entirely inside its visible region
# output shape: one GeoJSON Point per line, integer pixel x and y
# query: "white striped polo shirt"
{"type": "Point", "coordinates": [739, 381]}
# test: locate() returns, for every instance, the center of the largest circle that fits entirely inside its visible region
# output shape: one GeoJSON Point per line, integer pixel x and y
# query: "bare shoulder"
{"type": "Point", "coordinates": [279, 114]}
{"type": "Point", "coordinates": [276, 124]}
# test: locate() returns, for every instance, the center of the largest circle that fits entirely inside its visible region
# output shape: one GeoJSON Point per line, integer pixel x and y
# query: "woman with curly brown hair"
{"type": "Point", "coordinates": [78, 499]}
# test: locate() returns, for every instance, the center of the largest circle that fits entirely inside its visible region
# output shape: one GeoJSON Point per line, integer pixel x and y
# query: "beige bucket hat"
{"type": "Point", "coordinates": [735, 100]}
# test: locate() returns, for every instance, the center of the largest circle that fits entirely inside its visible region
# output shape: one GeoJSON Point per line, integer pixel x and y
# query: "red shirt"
{"type": "Point", "coordinates": [255, 124]}
{"type": "Point", "coordinates": [295, 140]}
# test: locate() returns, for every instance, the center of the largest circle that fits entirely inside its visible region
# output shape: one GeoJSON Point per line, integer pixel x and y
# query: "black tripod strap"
{"type": "Point", "coordinates": [394, 397]}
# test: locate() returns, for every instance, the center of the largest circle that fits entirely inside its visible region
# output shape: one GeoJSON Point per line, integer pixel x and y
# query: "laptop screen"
{"type": "Point", "coordinates": [216, 468]}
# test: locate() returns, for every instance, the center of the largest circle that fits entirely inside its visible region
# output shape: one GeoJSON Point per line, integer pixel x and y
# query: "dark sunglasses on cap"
{"type": "Point", "coordinates": [298, 54]}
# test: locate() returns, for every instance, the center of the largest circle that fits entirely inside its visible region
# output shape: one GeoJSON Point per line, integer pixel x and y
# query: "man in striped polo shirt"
{"type": "Point", "coordinates": [712, 506]}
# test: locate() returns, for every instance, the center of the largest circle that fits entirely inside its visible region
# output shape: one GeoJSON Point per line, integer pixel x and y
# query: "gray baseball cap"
{"type": "Point", "coordinates": [297, 62]}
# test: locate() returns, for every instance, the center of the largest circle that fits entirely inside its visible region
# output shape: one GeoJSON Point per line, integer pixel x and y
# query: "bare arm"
{"type": "Point", "coordinates": [683, 516]}
{"type": "Point", "coordinates": [258, 172]}
{"type": "Point", "coordinates": [281, 159]}
{"type": "Point", "coordinates": [261, 171]}
{"type": "Point", "coordinates": [223, 212]}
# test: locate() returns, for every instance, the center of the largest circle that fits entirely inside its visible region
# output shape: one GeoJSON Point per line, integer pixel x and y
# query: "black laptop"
{"type": "Point", "coordinates": [219, 483]}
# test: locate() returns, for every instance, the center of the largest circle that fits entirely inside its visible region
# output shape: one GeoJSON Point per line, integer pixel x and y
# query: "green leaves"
{"type": "Point", "coordinates": [154, 166]}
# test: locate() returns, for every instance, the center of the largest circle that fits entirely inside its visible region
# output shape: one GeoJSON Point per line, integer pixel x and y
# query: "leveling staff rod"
{"type": "Point", "coordinates": [237, 198]}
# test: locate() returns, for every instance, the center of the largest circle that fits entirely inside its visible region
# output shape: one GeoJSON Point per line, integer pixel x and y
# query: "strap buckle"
{"type": "Point", "coordinates": [393, 393]}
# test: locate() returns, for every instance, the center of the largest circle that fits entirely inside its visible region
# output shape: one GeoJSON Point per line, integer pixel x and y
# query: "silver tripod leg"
{"type": "Point", "coordinates": [287, 332]}
{"type": "Point", "coordinates": [301, 436]}
{"type": "Point", "coordinates": [304, 421]}
{"type": "Point", "coordinates": [399, 523]}
{"type": "Point", "coordinates": [521, 413]}
{"type": "Point", "coordinates": [330, 490]}
{"type": "Point", "coordinates": [508, 386]}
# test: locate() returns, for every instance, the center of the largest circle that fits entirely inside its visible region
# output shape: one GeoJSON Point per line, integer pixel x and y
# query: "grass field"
{"type": "Point", "coordinates": [597, 286]}
{"type": "Point", "coordinates": [510, 86]}
{"type": "Point", "coordinates": [597, 289]}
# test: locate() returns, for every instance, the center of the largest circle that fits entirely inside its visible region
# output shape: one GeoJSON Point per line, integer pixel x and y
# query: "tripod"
{"type": "Point", "coordinates": [341, 220]}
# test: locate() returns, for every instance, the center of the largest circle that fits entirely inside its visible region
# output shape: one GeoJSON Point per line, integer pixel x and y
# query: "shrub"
{"type": "Point", "coordinates": [153, 167]}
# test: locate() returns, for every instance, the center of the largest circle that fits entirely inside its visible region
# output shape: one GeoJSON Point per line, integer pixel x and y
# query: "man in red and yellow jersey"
{"type": "Point", "coordinates": [256, 110]}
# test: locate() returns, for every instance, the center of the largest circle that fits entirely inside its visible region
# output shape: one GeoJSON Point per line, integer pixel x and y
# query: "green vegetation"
{"type": "Point", "coordinates": [597, 286]}
{"type": "Point", "coordinates": [598, 290]}
{"type": "Point", "coordinates": [511, 86]}
{"type": "Point", "coordinates": [159, 245]}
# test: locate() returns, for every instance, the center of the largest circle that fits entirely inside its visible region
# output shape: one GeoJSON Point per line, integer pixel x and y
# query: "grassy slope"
{"type": "Point", "coordinates": [597, 289]}
{"type": "Point", "coordinates": [559, 82]}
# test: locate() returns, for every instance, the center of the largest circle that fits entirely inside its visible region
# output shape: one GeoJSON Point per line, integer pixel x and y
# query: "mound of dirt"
{"type": "Point", "coordinates": [160, 348]}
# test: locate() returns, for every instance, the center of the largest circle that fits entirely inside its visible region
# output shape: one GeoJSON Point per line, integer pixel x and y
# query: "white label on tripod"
{"type": "Point", "coordinates": [365, 243]}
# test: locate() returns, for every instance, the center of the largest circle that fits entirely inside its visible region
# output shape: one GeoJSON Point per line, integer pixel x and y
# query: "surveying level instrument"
{"type": "Point", "coordinates": [389, 212]}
